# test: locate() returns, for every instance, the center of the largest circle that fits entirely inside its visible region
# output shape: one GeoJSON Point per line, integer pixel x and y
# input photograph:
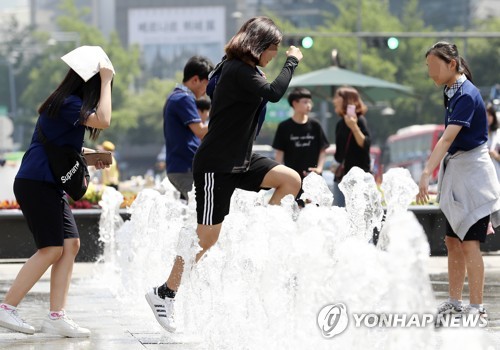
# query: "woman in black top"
{"type": "Point", "coordinates": [352, 137]}
{"type": "Point", "coordinates": [224, 161]}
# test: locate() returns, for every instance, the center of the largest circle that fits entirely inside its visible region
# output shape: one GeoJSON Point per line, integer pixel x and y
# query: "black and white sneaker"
{"type": "Point", "coordinates": [448, 310]}
{"type": "Point", "coordinates": [163, 309]}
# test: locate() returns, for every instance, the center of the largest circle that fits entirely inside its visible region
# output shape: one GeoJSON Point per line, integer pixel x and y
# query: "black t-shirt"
{"type": "Point", "coordinates": [300, 143]}
{"type": "Point", "coordinates": [355, 155]}
{"type": "Point", "coordinates": [227, 147]}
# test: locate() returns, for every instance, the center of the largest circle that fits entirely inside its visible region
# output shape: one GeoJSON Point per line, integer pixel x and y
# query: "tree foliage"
{"type": "Point", "coordinates": [405, 65]}
{"type": "Point", "coordinates": [138, 101]}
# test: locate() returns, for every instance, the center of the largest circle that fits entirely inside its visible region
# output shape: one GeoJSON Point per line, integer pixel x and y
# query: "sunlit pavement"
{"type": "Point", "coordinates": [95, 307]}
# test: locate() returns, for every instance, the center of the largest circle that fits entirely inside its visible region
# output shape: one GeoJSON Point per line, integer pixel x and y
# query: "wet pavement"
{"type": "Point", "coordinates": [94, 306]}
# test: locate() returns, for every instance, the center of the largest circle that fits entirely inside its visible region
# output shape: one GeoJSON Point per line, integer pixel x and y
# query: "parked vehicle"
{"type": "Point", "coordinates": [410, 148]}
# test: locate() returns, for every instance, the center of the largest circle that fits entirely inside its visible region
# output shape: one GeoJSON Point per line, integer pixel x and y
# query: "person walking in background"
{"type": "Point", "coordinates": [300, 141]}
{"type": "Point", "coordinates": [75, 106]}
{"type": "Point", "coordinates": [467, 185]}
{"type": "Point", "coordinates": [182, 126]}
{"type": "Point", "coordinates": [224, 161]}
{"type": "Point", "coordinates": [352, 137]}
{"type": "Point", "coordinates": [203, 106]}
{"type": "Point", "coordinates": [111, 174]}
{"type": "Point", "coordinates": [493, 137]}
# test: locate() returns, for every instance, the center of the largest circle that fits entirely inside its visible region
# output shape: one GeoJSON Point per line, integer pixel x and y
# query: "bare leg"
{"type": "Point", "coordinates": [475, 270]}
{"type": "Point", "coordinates": [456, 267]}
{"type": "Point", "coordinates": [61, 274]}
{"type": "Point", "coordinates": [284, 180]}
{"type": "Point", "coordinates": [30, 273]}
{"type": "Point", "coordinates": [208, 236]}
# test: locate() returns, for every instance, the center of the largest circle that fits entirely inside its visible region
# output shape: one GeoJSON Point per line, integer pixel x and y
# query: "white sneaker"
{"type": "Point", "coordinates": [163, 309]}
{"type": "Point", "coordinates": [9, 318]}
{"type": "Point", "coordinates": [64, 326]}
{"type": "Point", "coordinates": [477, 311]}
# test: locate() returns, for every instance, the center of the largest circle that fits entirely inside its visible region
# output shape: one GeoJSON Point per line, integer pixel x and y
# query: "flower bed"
{"type": "Point", "coordinates": [89, 201]}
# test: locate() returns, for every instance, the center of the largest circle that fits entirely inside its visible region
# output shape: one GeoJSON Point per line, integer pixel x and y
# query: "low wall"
{"type": "Point", "coordinates": [17, 241]}
{"type": "Point", "coordinates": [433, 221]}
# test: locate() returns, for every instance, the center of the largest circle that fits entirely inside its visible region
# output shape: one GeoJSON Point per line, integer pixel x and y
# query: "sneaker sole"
{"type": "Point", "coordinates": [12, 327]}
{"type": "Point", "coordinates": [51, 330]}
{"type": "Point", "coordinates": [438, 322]}
{"type": "Point", "coordinates": [153, 308]}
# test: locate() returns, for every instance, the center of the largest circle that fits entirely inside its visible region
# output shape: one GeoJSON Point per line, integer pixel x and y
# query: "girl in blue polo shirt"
{"type": "Point", "coordinates": [468, 191]}
{"type": "Point", "coordinates": [75, 106]}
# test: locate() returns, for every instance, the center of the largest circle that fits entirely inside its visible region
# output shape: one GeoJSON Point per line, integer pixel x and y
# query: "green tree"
{"type": "Point", "coordinates": [406, 65]}
{"type": "Point", "coordinates": [50, 70]}
{"type": "Point", "coordinates": [16, 60]}
{"type": "Point", "coordinates": [483, 55]}
{"type": "Point", "coordinates": [144, 112]}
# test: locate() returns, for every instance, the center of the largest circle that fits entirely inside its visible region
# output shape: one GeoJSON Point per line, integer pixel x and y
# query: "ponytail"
{"type": "Point", "coordinates": [463, 67]}
{"type": "Point", "coordinates": [448, 52]}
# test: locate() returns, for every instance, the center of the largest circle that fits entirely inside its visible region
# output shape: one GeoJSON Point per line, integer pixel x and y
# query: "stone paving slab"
{"type": "Point", "coordinates": [112, 327]}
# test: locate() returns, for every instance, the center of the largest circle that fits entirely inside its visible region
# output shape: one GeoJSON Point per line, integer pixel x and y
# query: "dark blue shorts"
{"type": "Point", "coordinates": [477, 232]}
{"type": "Point", "coordinates": [214, 190]}
{"type": "Point", "coordinates": [47, 212]}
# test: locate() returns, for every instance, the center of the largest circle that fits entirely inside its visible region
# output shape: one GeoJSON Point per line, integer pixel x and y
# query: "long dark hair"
{"type": "Point", "coordinates": [253, 38]}
{"type": "Point", "coordinates": [490, 109]}
{"type": "Point", "coordinates": [73, 84]}
{"type": "Point", "coordinates": [448, 52]}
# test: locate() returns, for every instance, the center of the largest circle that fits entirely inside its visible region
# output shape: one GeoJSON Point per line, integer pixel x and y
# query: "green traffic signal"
{"type": "Point", "coordinates": [307, 42]}
{"type": "Point", "coordinates": [392, 43]}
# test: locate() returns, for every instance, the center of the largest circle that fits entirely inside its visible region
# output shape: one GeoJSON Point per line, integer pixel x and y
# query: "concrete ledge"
{"type": "Point", "coordinates": [433, 221]}
{"type": "Point", "coordinates": [17, 241]}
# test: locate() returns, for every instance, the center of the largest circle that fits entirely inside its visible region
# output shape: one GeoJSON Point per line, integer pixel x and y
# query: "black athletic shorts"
{"type": "Point", "coordinates": [214, 190]}
{"type": "Point", "coordinates": [47, 212]}
{"type": "Point", "coordinates": [476, 232]}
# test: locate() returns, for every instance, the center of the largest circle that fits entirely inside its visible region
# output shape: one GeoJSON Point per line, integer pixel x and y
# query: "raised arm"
{"type": "Point", "coordinates": [101, 119]}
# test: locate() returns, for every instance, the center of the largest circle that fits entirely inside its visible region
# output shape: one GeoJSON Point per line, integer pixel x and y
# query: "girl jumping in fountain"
{"type": "Point", "coordinates": [224, 161]}
{"type": "Point", "coordinates": [468, 189]}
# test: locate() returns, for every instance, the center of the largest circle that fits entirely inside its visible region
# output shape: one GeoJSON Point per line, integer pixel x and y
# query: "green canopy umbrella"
{"type": "Point", "coordinates": [372, 89]}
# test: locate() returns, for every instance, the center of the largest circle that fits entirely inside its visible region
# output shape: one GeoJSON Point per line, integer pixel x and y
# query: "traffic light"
{"type": "Point", "coordinates": [382, 42]}
{"type": "Point", "coordinates": [305, 42]}
{"type": "Point", "coordinates": [392, 43]}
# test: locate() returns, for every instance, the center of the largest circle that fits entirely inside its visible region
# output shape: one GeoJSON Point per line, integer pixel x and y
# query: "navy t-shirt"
{"type": "Point", "coordinates": [64, 130]}
{"type": "Point", "coordinates": [180, 111]}
{"type": "Point", "coordinates": [300, 143]}
{"type": "Point", "coordinates": [466, 108]}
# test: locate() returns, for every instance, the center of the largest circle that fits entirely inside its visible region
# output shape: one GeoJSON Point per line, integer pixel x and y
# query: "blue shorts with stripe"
{"type": "Point", "coordinates": [214, 190]}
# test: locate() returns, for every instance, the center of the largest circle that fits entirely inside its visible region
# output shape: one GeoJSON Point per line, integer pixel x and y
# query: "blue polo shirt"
{"type": "Point", "coordinates": [63, 130]}
{"type": "Point", "coordinates": [180, 111]}
{"type": "Point", "coordinates": [466, 108]}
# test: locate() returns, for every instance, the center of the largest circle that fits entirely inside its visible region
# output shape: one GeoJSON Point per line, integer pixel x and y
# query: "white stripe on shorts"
{"type": "Point", "coordinates": [208, 205]}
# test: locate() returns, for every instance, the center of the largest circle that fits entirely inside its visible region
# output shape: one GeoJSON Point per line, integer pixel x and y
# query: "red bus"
{"type": "Point", "coordinates": [410, 148]}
